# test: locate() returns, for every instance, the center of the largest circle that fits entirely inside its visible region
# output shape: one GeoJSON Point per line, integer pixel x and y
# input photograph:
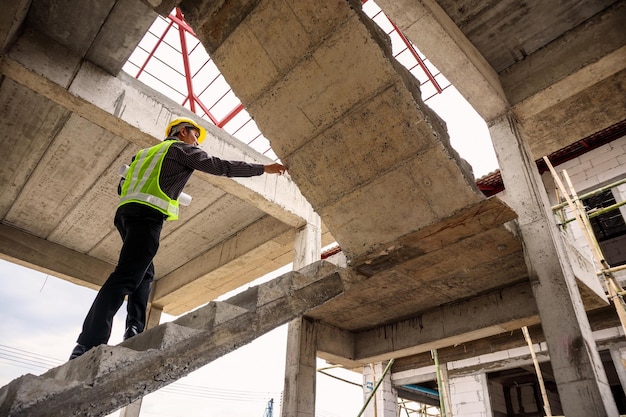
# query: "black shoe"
{"type": "Point", "coordinates": [79, 350]}
{"type": "Point", "coordinates": [131, 331]}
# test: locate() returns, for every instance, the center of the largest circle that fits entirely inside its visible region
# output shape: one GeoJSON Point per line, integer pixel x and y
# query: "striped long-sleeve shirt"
{"type": "Point", "coordinates": [182, 159]}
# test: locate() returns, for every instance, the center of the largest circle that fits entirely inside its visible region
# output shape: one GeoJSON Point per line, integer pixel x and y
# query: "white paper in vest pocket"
{"type": "Point", "coordinates": [184, 199]}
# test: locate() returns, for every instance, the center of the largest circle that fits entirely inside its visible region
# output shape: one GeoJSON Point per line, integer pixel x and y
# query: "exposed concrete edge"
{"type": "Point", "coordinates": [226, 16]}
{"type": "Point", "coordinates": [50, 258]}
{"type": "Point", "coordinates": [162, 7]}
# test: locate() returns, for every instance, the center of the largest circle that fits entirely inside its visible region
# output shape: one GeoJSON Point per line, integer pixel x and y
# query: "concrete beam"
{"type": "Point", "coordinates": [498, 358]}
{"type": "Point", "coordinates": [434, 33]}
{"type": "Point", "coordinates": [579, 115]}
{"type": "Point", "coordinates": [336, 345]}
{"type": "Point", "coordinates": [126, 108]}
{"type": "Point", "coordinates": [604, 318]}
{"type": "Point", "coordinates": [495, 313]}
{"type": "Point", "coordinates": [50, 258]}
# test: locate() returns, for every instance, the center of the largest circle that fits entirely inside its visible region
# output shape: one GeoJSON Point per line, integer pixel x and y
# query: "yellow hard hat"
{"type": "Point", "coordinates": [185, 122]}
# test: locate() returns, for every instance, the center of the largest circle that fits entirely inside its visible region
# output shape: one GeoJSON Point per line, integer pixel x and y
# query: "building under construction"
{"type": "Point", "coordinates": [492, 297]}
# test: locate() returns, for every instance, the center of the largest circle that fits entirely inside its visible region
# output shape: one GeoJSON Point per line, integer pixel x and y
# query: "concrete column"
{"type": "Point", "coordinates": [578, 370]}
{"type": "Point", "coordinates": [385, 400]}
{"type": "Point", "coordinates": [301, 362]}
{"type": "Point", "coordinates": [153, 317]}
{"type": "Point", "coordinates": [300, 370]}
{"type": "Point", "coordinates": [469, 396]}
{"type": "Point", "coordinates": [308, 244]}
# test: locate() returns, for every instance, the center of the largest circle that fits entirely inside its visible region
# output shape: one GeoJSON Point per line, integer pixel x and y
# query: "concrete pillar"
{"type": "Point", "coordinates": [578, 370]}
{"type": "Point", "coordinates": [385, 400]}
{"type": "Point", "coordinates": [153, 317]}
{"type": "Point", "coordinates": [300, 370]}
{"type": "Point", "coordinates": [301, 362]}
{"type": "Point", "coordinates": [308, 244]}
{"type": "Point", "coordinates": [469, 396]}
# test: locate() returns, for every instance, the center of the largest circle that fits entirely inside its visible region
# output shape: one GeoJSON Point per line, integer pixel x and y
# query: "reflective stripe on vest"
{"type": "Point", "coordinates": [165, 206]}
{"type": "Point", "coordinates": [143, 184]}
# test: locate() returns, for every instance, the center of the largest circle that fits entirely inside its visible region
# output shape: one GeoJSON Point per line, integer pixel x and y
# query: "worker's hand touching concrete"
{"type": "Point", "coordinates": [275, 169]}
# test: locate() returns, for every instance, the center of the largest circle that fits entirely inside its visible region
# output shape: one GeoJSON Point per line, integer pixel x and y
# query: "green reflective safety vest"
{"type": "Point", "coordinates": [142, 181]}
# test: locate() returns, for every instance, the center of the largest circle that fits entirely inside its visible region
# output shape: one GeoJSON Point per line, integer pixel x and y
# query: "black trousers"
{"type": "Point", "coordinates": [140, 228]}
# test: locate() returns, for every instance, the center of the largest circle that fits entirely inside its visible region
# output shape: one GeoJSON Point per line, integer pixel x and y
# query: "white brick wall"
{"type": "Point", "coordinates": [385, 402]}
{"type": "Point", "coordinates": [594, 169]}
{"type": "Point", "coordinates": [469, 396]}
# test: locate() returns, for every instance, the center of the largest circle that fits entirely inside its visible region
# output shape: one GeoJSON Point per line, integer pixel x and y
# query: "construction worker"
{"type": "Point", "coordinates": [149, 195]}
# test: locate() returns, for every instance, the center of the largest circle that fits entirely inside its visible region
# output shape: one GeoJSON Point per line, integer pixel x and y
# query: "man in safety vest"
{"type": "Point", "coordinates": [149, 195]}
